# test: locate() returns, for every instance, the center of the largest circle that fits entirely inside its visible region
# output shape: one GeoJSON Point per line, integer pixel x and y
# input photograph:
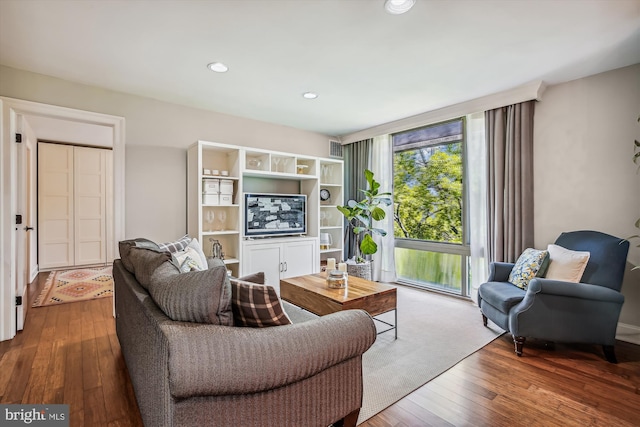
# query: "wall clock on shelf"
{"type": "Point", "coordinates": [324, 195]}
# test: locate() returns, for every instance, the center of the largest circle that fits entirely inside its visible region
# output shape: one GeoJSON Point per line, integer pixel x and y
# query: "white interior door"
{"type": "Point", "coordinates": [20, 240]}
{"type": "Point", "coordinates": [55, 206]}
{"type": "Point", "coordinates": [90, 176]}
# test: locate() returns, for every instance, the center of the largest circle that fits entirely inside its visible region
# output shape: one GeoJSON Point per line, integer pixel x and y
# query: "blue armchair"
{"type": "Point", "coordinates": [558, 311]}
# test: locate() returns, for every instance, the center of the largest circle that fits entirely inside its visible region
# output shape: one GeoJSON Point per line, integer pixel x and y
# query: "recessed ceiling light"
{"type": "Point", "coordinates": [218, 67]}
{"type": "Point", "coordinates": [310, 95]}
{"type": "Point", "coordinates": [397, 7]}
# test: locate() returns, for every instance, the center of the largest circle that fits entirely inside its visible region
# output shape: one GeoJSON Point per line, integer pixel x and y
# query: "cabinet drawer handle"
{"type": "Point", "coordinates": [285, 266]}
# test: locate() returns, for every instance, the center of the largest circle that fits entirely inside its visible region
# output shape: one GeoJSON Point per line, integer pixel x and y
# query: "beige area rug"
{"type": "Point", "coordinates": [81, 284]}
{"type": "Point", "coordinates": [435, 332]}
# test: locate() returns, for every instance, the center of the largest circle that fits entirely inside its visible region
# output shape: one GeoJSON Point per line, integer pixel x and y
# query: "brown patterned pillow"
{"type": "Point", "coordinates": [253, 278]}
{"type": "Point", "coordinates": [256, 306]}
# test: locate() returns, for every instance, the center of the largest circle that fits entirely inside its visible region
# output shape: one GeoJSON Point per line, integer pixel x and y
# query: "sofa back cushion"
{"type": "Point", "coordinates": [125, 249]}
{"type": "Point", "coordinates": [196, 296]}
{"type": "Point", "coordinates": [145, 261]}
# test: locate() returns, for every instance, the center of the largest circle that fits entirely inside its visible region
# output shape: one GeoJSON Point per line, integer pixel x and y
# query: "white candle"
{"type": "Point", "coordinates": [342, 266]}
{"type": "Point", "coordinates": [331, 264]}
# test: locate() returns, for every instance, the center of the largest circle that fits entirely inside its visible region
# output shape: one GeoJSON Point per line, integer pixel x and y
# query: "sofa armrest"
{"type": "Point", "coordinates": [584, 291]}
{"type": "Point", "coordinates": [223, 360]}
{"type": "Point", "coordinates": [499, 271]}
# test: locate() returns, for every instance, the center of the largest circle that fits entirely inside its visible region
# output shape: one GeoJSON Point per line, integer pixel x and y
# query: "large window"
{"type": "Point", "coordinates": [431, 246]}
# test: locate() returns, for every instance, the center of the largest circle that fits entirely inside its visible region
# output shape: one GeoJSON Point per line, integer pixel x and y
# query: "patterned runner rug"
{"type": "Point", "coordinates": [76, 285]}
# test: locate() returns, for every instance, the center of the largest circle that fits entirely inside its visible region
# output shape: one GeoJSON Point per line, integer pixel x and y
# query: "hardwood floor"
{"type": "Point", "coordinates": [70, 354]}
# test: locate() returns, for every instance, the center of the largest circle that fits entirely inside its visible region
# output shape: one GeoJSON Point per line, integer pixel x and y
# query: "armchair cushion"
{"type": "Point", "coordinates": [532, 263]}
{"type": "Point", "coordinates": [501, 295]}
{"type": "Point", "coordinates": [566, 265]}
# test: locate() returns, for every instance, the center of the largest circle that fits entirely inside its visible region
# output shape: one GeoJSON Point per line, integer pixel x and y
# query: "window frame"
{"type": "Point", "coordinates": [463, 249]}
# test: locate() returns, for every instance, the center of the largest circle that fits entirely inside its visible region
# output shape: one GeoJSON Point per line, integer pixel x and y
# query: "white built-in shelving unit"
{"type": "Point", "coordinates": [251, 170]}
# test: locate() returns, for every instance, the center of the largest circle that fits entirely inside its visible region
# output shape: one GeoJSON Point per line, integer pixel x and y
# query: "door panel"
{"type": "Point", "coordinates": [55, 205]}
{"type": "Point", "coordinates": [90, 205]}
{"type": "Point", "coordinates": [109, 213]}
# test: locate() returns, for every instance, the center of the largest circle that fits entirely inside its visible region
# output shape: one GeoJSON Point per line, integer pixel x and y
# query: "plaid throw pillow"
{"type": "Point", "coordinates": [256, 306]}
{"type": "Point", "coordinates": [179, 245]}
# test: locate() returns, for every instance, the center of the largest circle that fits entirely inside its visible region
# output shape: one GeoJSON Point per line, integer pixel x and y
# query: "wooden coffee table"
{"type": "Point", "coordinates": [311, 293]}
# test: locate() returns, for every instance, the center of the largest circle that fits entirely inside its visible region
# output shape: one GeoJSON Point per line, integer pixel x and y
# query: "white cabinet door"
{"type": "Point", "coordinates": [265, 258]}
{"type": "Point", "coordinates": [280, 259]}
{"type": "Point", "coordinates": [55, 206]}
{"type": "Point", "coordinates": [299, 258]}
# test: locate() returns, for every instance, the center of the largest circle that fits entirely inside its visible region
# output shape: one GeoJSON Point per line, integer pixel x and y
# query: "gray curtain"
{"type": "Point", "coordinates": [509, 138]}
{"type": "Point", "coordinates": [357, 158]}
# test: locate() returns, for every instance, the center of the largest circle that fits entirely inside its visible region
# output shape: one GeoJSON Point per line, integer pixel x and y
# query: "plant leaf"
{"type": "Point", "coordinates": [368, 175]}
{"type": "Point", "coordinates": [379, 231]}
{"type": "Point", "coordinates": [345, 211]}
{"type": "Point", "coordinates": [378, 213]}
{"type": "Point", "coordinates": [368, 246]}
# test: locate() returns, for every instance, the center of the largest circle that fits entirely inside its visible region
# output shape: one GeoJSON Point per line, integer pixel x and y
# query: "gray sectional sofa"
{"type": "Point", "coordinates": [199, 374]}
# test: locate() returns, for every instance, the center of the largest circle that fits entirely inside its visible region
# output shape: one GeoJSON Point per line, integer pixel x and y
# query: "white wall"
{"type": "Point", "coordinates": [585, 178]}
{"type": "Point", "coordinates": [166, 192]}
{"type": "Point", "coordinates": [157, 136]}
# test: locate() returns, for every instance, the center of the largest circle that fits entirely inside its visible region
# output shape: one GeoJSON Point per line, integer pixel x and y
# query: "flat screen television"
{"type": "Point", "coordinates": [274, 214]}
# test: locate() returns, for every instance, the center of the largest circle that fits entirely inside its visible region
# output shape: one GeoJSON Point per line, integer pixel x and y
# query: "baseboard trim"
{"type": "Point", "coordinates": [33, 274]}
{"type": "Point", "coordinates": [628, 333]}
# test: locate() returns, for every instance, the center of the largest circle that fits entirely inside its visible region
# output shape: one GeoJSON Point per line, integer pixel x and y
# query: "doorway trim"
{"type": "Point", "coordinates": [10, 108]}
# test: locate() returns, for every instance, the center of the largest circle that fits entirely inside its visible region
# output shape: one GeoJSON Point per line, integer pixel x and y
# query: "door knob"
{"type": "Point", "coordinates": [27, 228]}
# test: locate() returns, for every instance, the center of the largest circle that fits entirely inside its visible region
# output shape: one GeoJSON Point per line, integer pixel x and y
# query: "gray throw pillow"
{"type": "Point", "coordinates": [126, 245]}
{"type": "Point", "coordinates": [145, 261]}
{"type": "Point", "coordinates": [196, 296]}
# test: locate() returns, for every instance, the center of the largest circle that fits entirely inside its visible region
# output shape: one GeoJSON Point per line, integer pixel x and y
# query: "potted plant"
{"type": "Point", "coordinates": [360, 216]}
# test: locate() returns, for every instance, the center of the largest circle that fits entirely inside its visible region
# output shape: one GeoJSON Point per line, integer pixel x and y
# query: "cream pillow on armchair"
{"type": "Point", "coordinates": [566, 265]}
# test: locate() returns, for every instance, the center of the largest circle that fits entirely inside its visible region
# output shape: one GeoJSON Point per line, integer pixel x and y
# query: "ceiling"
{"type": "Point", "coordinates": [368, 67]}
